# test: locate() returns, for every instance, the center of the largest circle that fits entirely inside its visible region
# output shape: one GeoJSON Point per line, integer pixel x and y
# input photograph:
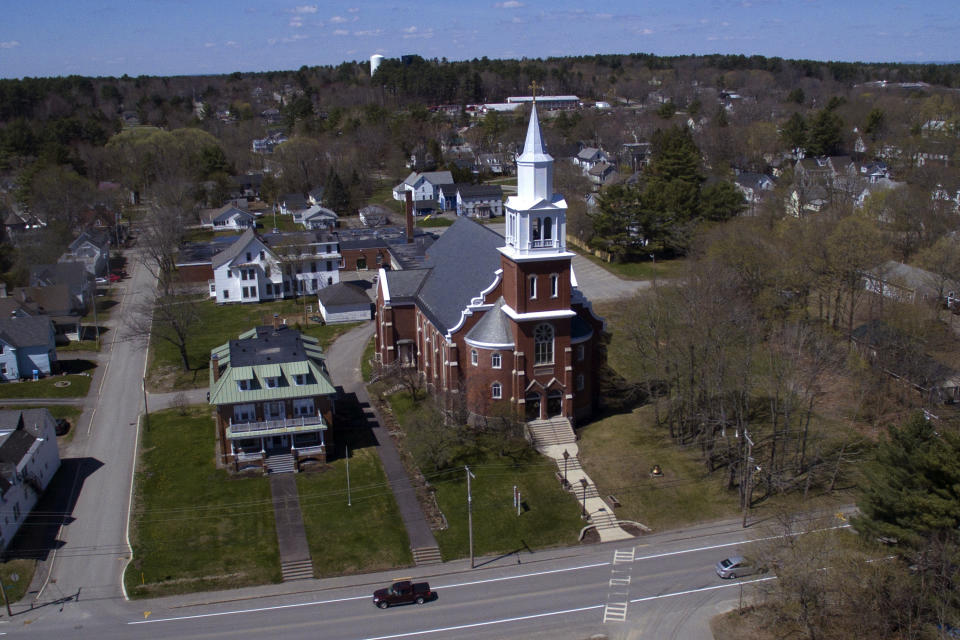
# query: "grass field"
{"type": "Point", "coordinates": [195, 527]}
{"type": "Point", "coordinates": [366, 536]}
{"type": "Point", "coordinates": [618, 451]}
{"type": "Point", "coordinates": [549, 516]}
{"type": "Point", "coordinates": [47, 387]}
{"type": "Point", "coordinates": [218, 324]}
{"type": "Point", "coordinates": [643, 270]}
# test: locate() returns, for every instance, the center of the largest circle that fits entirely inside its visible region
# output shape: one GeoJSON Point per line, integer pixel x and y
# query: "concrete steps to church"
{"type": "Point", "coordinates": [555, 431]}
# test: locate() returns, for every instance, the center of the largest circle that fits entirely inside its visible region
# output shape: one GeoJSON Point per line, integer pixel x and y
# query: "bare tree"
{"type": "Point", "coordinates": [159, 239]}
{"type": "Point", "coordinates": [171, 319]}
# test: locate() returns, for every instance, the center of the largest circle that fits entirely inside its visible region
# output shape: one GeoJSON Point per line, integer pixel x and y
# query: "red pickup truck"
{"type": "Point", "coordinates": [403, 592]}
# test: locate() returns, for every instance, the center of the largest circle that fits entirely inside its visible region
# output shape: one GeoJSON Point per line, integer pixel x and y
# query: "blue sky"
{"type": "Point", "coordinates": [184, 37]}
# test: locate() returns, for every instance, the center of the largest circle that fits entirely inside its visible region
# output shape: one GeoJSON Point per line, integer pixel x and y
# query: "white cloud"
{"type": "Point", "coordinates": [271, 41]}
{"type": "Point", "coordinates": [603, 16]}
{"type": "Point", "coordinates": [9, 44]}
{"type": "Point", "coordinates": [296, 22]}
{"type": "Point", "coordinates": [232, 43]}
{"type": "Point", "coordinates": [413, 32]}
{"type": "Point", "coordinates": [368, 32]}
{"type": "Point", "coordinates": [509, 4]}
{"type": "Point", "coordinates": [304, 8]}
{"type": "Point", "coordinates": [338, 19]}
{"type": "Point", "coordinates": [353, 10]}
{"type": "Point", "coordinates": [341, 32]}
{"type": "Point", "coordinates": [646, 32]}
{"type": "Point", "coordinates": [208, 44]}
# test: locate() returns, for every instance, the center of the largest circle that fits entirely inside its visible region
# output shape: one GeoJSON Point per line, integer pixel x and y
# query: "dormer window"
{"type": "Point", "coordinates": [243, 385]}
{"type": "Point", "coordinates": [272, 382]}
{"type": "Point", "coordinates": [300, 379]}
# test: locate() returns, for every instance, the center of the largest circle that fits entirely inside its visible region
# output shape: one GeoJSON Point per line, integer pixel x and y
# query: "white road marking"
{"type": "Point", "coordinates": [257, 610]}
{"type": "Point", "coordinates": [615, 612]}
{"type": "Point", "coordinates": [701, 590]}
{"type": "Point", "coordinates": [485, 623]}
{"type": "Point", "coordinates": [734, 544]}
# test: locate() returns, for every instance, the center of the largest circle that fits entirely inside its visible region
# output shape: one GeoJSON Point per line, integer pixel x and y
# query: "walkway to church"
{"type": "Point", "coordinates": [343, 363]}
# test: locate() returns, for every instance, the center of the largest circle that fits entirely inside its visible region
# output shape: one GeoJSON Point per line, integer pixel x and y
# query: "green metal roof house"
{"type": "Point", "coordinates": [274, 401]}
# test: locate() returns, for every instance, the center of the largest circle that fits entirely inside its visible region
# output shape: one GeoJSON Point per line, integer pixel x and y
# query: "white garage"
{"type": "Point", "coordinates": [344, 302]}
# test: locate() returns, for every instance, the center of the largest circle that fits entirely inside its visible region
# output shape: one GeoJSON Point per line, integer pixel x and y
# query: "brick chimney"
{"type": "Point", "coordinates": [409, 217]}
{"type": "Point", "coordinates": [215, 363]}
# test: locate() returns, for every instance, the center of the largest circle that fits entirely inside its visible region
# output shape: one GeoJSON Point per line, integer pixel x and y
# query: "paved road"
{"type": "Point", "coordinates": [660, 586]}
{"type": "Point", "coordinates": [94, 551]}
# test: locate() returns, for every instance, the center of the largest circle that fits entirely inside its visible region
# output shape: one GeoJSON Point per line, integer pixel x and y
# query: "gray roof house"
{"type": "Point", "coordinates": [28, 347]}
{"type": "Point", "coordinates": [92, 250]}
{"type": "Point", "coordinates": [227, 217]}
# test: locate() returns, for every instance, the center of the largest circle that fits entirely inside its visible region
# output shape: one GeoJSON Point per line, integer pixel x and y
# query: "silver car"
{"type": "Point", "coordinates": [736, 566]}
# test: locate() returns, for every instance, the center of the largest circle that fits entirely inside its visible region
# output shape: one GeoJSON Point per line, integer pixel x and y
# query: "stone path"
{"type": "Point", "coordinates": [295, 563]}
{"type": "Point", "coordinates": [554, 437]}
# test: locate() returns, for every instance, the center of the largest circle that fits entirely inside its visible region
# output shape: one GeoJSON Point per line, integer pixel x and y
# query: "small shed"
{"type": "Point", "coordinates": [343, 302]}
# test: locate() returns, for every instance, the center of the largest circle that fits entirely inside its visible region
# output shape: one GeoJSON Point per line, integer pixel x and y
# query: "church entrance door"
{"type": "Point", "coordinates": [532, 402]}
{"type": "Point", "coordinates": [554, 404]}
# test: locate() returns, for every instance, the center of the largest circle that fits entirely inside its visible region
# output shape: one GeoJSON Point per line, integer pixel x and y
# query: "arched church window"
{"type": "Point", "coordinates": [543, 344]}
{"type": "Point", "coordinates": [537, 223]}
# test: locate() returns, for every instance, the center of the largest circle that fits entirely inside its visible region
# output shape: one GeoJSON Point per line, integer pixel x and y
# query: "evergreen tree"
{"type": "Point", "coordinates": [335, 195]}
{"type": "Point", "coordinates": [794, 132]}
{"type": "Point", "coordinates": [824, 135]}
{"type": "Point", "coordinates": [912, 494]}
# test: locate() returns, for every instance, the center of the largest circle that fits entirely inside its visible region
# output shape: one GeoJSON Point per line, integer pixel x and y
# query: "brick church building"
{"type": "Point", "coordinates": [499, 319]}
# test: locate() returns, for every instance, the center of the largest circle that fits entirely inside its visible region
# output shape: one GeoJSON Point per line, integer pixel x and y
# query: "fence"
{"type": "Point", "coordinates": [606, 256]}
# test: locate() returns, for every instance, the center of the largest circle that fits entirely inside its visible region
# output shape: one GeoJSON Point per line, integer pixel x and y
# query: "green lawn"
{"type": "Point", "coordinates": [47, 387]}
{"type": "Point", "coordinates": [549, 516]}
{"type": "Point", "coordinates": [434, 222]}
{"type": "Point", "coordinates": [618, 451]}
{"type": "Point", "coordinates": [195, 527]}
{"type": "Point", "coordinates": [643, 270]}
{"type": "Point", "coordinates": [105, 305]}
{"type": "Point", "coordinates": [368, 535]}
{"type": "Point", "coordinates": [366, 364]}
{"type": "Point", "coordinates": [21, 569]}
{"type": "Point", "coordinates": [218, 324]}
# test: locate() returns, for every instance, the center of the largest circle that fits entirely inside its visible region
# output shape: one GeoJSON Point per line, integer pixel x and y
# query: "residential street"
{"type": "Point", "coordinates": [93, 549]}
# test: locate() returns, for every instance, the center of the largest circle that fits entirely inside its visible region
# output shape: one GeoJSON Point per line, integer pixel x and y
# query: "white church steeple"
{"type": "Point", "coordinates": [536, 216]}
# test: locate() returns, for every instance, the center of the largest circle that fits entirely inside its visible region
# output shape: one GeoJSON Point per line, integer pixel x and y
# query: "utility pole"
{"type": "Point", "coordinates": [470, 512]}
{"type": "Point", "coordinates": [348, 478]}
{"type": "Point", "coordinates": [748, 477]}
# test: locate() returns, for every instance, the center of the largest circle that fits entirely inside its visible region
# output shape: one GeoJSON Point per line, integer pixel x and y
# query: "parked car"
{"type": "Point", "coordinates": [737, 567]}
{"type": "Point", "coordinates": [403, 592]}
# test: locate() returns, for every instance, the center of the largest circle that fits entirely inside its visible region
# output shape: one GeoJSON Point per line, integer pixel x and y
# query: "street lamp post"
{"type": "Point", "coordinates": [566, 456]}
{"type": "Point", "coordinates": [583, 481]}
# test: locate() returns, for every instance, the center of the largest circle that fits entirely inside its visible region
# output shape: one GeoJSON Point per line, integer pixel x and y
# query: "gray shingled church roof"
{"type": "Point", "coordinates": [462, 263]}
{"type": "Point", "coordinates": [494, 328]}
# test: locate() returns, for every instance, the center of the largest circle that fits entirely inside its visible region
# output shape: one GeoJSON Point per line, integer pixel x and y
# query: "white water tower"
{"type": "Point", "coordinates": [375, 61]}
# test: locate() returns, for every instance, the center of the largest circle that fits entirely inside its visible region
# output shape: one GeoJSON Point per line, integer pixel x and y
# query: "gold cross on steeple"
{"type": "Point", "coordinates": [534, 86]}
